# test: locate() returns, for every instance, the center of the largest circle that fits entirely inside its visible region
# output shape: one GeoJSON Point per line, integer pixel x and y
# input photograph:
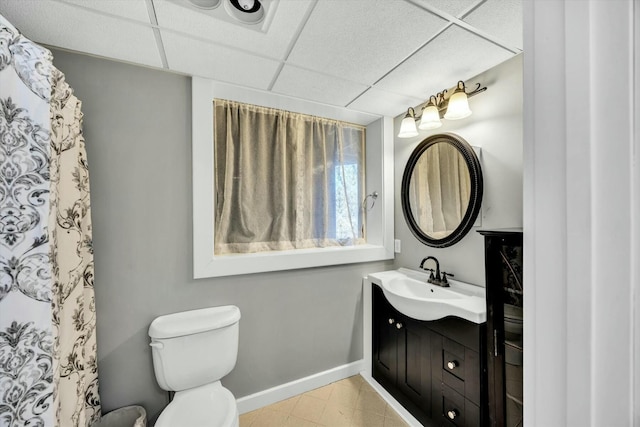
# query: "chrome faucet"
{"type": "Point", "coordinates": [436, 278]}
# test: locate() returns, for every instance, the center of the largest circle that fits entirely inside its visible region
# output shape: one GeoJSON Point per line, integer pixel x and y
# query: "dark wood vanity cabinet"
{"type": "Point", "coordinates": [434, 369]}
{"type": "Point", "coordinates": [504, 349]}
{"type": "Point", "coordinates": [401, 357]}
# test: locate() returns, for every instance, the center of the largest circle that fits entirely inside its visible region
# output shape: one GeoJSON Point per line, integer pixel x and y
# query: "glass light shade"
{"type": "Point", "coordinates": [408, 127]}
{"type": "Point", "coordinates": [430, 118]}
{"type": "Point", "coordinates": [458, 106]}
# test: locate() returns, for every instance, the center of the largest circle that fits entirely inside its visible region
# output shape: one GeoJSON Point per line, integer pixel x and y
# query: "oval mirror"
{"type": "Point", "coordinates": [441, 190]}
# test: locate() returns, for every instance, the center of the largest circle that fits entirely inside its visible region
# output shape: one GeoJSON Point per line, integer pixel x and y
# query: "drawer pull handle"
{"type": "Point", "coordinates": [452, 364]}
{"type": "Point", "coordinates": [452, 414]}
{"type": "Point", "coordinates": [399, 325]}
{"type": "Point", "coordinates": [391, 321]}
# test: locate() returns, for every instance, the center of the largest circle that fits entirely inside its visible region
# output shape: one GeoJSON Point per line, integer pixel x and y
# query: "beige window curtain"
{"type": "Point", "coordinates": [285, 180]}
{"type": "Point", "coordinates": [440, 190]}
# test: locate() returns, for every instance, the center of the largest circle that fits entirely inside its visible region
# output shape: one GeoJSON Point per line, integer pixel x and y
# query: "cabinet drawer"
{"type": "Point", "coordinates": [453, 364]}
{"type": "Point", "coordinates": [461, 370]}
{"type": "Point", "coordinates": [457, 410]}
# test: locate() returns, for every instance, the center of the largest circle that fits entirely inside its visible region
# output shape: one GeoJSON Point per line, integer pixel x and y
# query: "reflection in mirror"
{"type": "Point", "coordinates": [439, 190]}
{"type": "Point", "coordinates": [442, 190]}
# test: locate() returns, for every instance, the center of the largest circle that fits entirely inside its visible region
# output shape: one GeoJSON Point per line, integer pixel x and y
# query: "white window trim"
{"type": "Point", "coordinates": [379, 219]}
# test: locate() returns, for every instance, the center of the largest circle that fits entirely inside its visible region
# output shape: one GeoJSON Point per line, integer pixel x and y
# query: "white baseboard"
{"type": "Point", "coordinates": [302, 385]}
{"type": "Point", "coordinates": [404, 414]}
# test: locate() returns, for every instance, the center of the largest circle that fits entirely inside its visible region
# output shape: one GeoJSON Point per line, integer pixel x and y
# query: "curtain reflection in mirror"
{"type": "Point", "coordinates": [440, 190]}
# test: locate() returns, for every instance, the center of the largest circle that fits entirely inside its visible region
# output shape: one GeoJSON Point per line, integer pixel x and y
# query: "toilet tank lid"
{"type": "Point", "coordinates": [194, 321]}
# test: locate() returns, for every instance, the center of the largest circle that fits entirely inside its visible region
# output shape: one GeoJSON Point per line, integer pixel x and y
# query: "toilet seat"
{"type": "Point", "coordinates": [210, 405]}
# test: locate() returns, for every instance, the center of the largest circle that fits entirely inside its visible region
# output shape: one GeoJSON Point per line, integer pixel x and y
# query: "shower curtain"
{"type": "Point", "coordinates": [48, 368]}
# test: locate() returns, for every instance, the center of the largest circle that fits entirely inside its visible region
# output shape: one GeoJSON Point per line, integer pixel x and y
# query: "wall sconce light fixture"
{"type": "Point", "coordinates": [454, 107]}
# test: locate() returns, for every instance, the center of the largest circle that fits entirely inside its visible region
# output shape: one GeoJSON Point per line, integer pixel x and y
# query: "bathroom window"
{"type": "Point", "coordinates": [285, 180]}
{"type": "Point", "coordinates": [341, 232]}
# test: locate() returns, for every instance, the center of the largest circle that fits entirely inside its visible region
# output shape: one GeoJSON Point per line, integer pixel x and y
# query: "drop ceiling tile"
{"type": "Point", "coordinates": [454, 55]}
{"type": "Point", "coordinates": [500, 18]}
{"type": "Point", "coordinates": [65, 26]}
{"type": "Point", "coordinates": [453, 7]}
{"type": "Point", "coordinates": [132, 9]}
{"type": "Point", "coordinates": [275, 43]}
{"type": "Point", "coordinates": [305, 84]}
{"type": "Point", "coordinates": [360, 40]}
{"type": "Point", "coordinates": [388, 104]}
{"type": "Point", "coordinates": [220, 63]}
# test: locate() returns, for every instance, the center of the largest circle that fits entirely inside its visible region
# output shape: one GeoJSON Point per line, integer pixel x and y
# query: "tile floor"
{"type": "Point", "coordinates": [345, 403]}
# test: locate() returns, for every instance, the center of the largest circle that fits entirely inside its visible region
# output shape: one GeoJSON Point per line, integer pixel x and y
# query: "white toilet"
{"type": "Point", "coordinates": [192, 351]}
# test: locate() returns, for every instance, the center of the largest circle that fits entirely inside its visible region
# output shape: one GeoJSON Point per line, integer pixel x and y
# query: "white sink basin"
{"type": "Point", "coordinates": [409, 293]}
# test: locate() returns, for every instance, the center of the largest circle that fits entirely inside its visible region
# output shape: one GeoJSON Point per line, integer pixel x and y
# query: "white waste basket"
{"type": "Point", "coordinates": [128, 416]}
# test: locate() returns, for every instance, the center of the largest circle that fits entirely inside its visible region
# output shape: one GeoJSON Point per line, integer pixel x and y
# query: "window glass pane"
{"type": "Point", "coordinates": [346, 201]}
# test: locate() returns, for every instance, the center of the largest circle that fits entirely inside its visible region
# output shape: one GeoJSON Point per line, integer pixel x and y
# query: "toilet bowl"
{"type": "Point", "coordinates": [192, 351]}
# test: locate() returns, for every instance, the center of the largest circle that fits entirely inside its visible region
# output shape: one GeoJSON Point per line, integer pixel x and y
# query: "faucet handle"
{"type": "Point", "coordinates": [431, 276]}
{"type": "Point", "coordinates": [444, 277]}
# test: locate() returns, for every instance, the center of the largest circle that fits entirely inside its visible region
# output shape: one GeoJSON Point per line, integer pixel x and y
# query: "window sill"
{"type": "Point", "coordinates": [231, 265]}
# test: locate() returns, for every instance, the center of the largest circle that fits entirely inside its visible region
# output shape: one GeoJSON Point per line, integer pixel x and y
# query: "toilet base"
{"type": "Point", "coordinates": [210, 405]}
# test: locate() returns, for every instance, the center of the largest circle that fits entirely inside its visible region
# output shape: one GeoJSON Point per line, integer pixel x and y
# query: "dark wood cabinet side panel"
{"type": "Point", "coordinates": [472, 384]}
{"type": "Point", "coordinates": [472, 414]}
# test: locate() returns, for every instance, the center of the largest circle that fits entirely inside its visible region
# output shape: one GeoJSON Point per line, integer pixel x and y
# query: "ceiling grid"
{"type": "Point", "coordinates": [374, 56]}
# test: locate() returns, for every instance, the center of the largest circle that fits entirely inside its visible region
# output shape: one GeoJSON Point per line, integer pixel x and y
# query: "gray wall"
{"type": "Point", "coordinates": [137, 127]}
{"type": "Point", "coordinates": [496, 127]}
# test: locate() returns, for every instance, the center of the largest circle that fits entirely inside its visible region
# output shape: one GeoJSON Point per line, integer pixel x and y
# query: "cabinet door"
{"type": "Point", "coordinates": [414, 369]}
{"type": "Point", "coordinates": [385, 340]}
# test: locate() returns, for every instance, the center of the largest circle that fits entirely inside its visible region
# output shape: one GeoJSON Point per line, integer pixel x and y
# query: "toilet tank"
{"type": "Point", "coordinates": [194, 348]}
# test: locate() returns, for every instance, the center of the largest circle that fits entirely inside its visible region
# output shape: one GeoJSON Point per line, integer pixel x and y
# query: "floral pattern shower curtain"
{"type": "Point", "coordinates": [48, 369]}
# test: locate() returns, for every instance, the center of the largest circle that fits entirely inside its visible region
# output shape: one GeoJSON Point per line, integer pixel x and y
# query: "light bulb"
{"type": "Point", "coordinates": [246, 4]}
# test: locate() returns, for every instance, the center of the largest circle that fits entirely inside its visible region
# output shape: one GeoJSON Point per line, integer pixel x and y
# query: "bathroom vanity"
{"type": "Point", "coordinates": [434, 368]}
{"type": "Point", "coordinates": [428, 334]}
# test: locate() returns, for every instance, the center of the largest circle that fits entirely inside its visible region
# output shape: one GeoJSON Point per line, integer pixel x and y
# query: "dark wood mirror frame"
{"type": "Point", "coordinates": [476, 190]}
